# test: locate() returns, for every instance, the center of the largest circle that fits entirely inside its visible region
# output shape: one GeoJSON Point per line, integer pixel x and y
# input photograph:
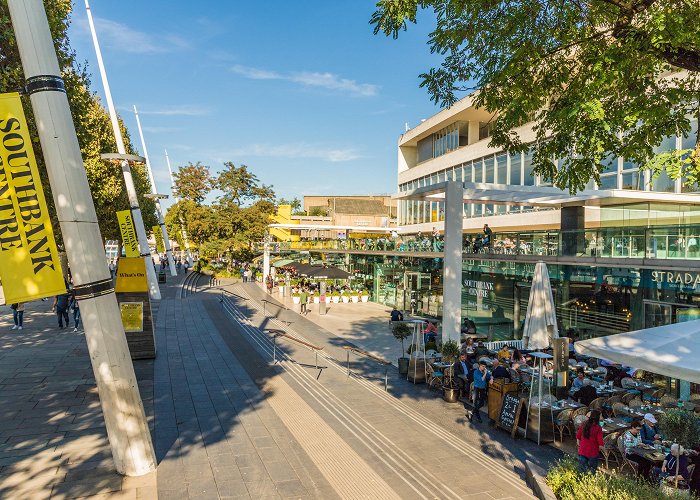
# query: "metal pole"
{"type": "Point", "coordinates": [274, 348]}
{"type": "Point", "coordinates": [153, 289]}
{"type": "Point", "coordinates": [316, 352]}
{"type": "Point", "coordinates": [125, 420]}
{"type": "Point", "coordinates": [348, 353]}
{"type": "Point", "coordinates": [386, 378]}
{"type": "Point", "coordinates": [159, 212]}
{"type": "Point", "coordinates": [182, 223]}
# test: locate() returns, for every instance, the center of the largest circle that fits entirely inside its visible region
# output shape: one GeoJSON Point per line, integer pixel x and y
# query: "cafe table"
{"type": "Point", "coordinates": [643, 410]}
{"type": "Point", "coordinates": [446, 369]}
{"type": "Point", "coordinates": [648, 453]}
{"type": "Point", "coordinates": [610, 425]}
{"type": "Point", "coordinates": [563, 404]}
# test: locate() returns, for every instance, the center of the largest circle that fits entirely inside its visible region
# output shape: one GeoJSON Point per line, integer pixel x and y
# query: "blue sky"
{"type": "Point", "coordinates": [301, 92]}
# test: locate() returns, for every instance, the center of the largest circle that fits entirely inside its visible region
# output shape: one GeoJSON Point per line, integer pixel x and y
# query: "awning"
{"type": "Point", "coordinates": [670, 350]}
{"type": "Point", "coordinates": [282, 262]}
{"type": "Point", "coordinates": [541, 318]}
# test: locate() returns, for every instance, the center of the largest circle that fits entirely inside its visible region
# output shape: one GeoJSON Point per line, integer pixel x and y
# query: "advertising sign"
{"type": "Point", "coordinates": [132, 316]}
{"type": "Point", "coordinates": [29, 263]}
{"type": "Point", "coordinates": [131, 275]}
{"type": "Point", "coordinates": [129, 238]}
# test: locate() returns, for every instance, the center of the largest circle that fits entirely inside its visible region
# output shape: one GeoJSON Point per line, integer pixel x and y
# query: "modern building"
{"type": "Point", "coordinates": [621, 255]}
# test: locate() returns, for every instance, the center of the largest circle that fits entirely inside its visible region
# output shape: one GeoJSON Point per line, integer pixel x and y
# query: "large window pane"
{"type": "Point", "coordinates": [633, 180]}
{"type": "Point", "coordinates": [478, 171]}
{"type": "Point", "coordinates": [515, 167]}
{"type": "Point", "coordinates": [489, 169]}
{"type": "Point", "coordinates": [608, 181]}
{"type": "Point", "coordinates": [529, 178]}
{"type": "Point", "coordinates": [663, 182]}
{"type": "Point", "coordinates": [609, 164]}
{"type": "Point", "coordinates": [689, 143]}
{"type": "Point", "coordinates": [501, 164]}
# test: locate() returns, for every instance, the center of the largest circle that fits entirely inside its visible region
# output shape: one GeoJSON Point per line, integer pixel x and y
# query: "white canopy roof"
{"type": "Point", "coordinates": [670, 350]}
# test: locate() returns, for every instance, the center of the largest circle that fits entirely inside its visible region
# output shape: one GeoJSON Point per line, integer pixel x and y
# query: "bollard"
{"type": "Point", "coordinates": [264, 311]}
{"type": "Point", "coordinates": [316, 352]}
{"type": "Point", "coordinates": [348, 353]}
{"type": "Point", "coordinates": [386, 378]}
{"type": "Point", "coordinates": [274, 349]}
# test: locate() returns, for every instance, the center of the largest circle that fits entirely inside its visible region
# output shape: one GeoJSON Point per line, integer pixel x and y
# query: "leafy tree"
{"type": "Point", "coordinates": [193, 182]}
{"type": "Point", "coordinates": [241, 186]}
{"type": "Point", "coordinates": [599, 77]}
{"type": "Point", "coordinates": [91, 121]}
{"type": "Point", "coordinates": [295, 204]}
{"type": "Point", "coordinates": [318, 212]}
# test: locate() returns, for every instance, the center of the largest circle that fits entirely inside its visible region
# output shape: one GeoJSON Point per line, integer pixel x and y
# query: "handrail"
{"type": "Point", "coordinates": [371, 356]}
{"type": "Point", "coordinates": [234, 294]}
{"type": "Point", "coordinates": [281, 333]}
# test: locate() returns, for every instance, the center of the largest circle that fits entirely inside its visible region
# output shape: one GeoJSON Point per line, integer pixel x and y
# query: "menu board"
{"type": "Point", "coordinates": [510, 413]}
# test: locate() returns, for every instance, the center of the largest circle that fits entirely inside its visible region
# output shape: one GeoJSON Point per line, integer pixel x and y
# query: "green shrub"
{"type": "Point", "coordinates": [681, 425]}
{"type": "Point", "coordinates": [401, 331]}
{"type": "Point", "coordinates": [450, 350]}
{"type": "Point", "coordinates": [569, 484]}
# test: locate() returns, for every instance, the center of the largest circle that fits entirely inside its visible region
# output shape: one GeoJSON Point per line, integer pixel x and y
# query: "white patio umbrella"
{"type": "Point", "coordinates": [541, 318]}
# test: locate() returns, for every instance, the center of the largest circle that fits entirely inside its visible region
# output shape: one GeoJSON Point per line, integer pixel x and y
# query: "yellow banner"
{"type": "Point", "coordinates": [132, 316]}
{"type": "Point", "coordinates": [29, 264]}
{"type": "Point", "coordinates": [129, 238]}
{"type": "Point", "coordinates": [131, 275]}
{"type": "Point", "coordinates": [158, 235]}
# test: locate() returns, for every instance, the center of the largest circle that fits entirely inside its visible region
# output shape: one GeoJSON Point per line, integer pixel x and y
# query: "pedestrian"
{"type": "Point", "coordinates": [243, 275]}
{"type": "Point", "coordinates": [187, 265]}
{"type": "Point", "coordinates": [481, 378]}
{"type": "Point", "coordinates": [60, 307]}
{"type": "Point", "coordinates": [590, 442]}
{"type": "Point", "coordinates": [76, 310]}
{"type": "Point", "coordinates": [17, 315]}
{"type": "Point", "coordinates": [269, 284]}
{"type": "Point", "coordinates": [303, 299]}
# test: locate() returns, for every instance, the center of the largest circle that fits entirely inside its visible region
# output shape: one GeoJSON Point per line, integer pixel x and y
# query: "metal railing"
{"type": "Point", "coordinates": [281, 333]}
{"type": "Point", "coordinates": [657, 242]}
{"type": "Point", "coordinates": [371, 356]}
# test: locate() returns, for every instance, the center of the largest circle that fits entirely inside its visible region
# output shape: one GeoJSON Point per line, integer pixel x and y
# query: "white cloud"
{"type": "Point", "coordinates": [326, 80]}
{"type": "Point", "coordinates": [295, 151]}
{"type": "Point", "coordinates": [120, 36]}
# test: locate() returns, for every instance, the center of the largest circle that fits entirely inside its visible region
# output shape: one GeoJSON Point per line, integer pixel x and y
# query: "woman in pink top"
{"type": "Point", "coordinates": [590, 442]}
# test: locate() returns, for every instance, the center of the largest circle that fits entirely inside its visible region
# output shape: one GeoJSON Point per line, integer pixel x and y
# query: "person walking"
{"type": "Point", "coordinates": [76, 310]}
{"type": "Point", "coordinates": [60, 307]}
{"type": "Point", "coordinates": [590, 442]}
{"type": "Point", "coordinates": [481, 378]}
{"type": "Point", "coordinates": [303, 299]}
{"type": "Point", "coordinates": [17, 315]}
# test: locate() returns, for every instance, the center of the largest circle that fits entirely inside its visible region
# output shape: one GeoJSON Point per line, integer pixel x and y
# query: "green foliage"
{"type": "Point", "coordinates": [450, 350]}
{"type": "Point", "coordinates": [295, 203]}
{"type": "Point", "coordinates": [569, 484]}
{"type": "Point", "coordinates": [318, 212]}
{"type": "Point", "coordinates": [241, 186]}
{"type": "Point", "coordinates": [596, 77]}
{"type": "Point", "coordinates": [401, 331]}
{"type": "Point", "coordinates": [680, 425]}
{"type": "Point", "coordinates": [193, 182]}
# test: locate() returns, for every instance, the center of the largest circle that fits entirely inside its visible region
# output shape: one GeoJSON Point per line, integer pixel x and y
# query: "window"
{"type": "Point", "coordinates": [633, 180]}
{"type": "Point", "coordinates": [528, 178]}
{"type": "Point", "coordinates": [478, 169]}
{"type": "Point", "coordinates": [485, 129]}
{"type": "Point", "coordinates": [515, 167]}
{"type": "Point", "coordinates": [489, 169]}
{"type": "Point", "coordinates": [688, 142]}
{"type": "Point", "coordinates": [663, 183]}
{"type": "Point", "coordinates": [501, 169]}
{"type": "Point", "coordinates": [608, 181]}
{"type": "Point", "coordinates": [609, 164]}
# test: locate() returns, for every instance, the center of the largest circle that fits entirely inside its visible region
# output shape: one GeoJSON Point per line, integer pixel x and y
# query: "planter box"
{"type": "Point", "coordinates": [281, 289]}
{"type": "Point", "coordinates": [296, 300]}
{"type": "Point", "coordinates": [317, 300]}
{"type": "Point", "coordinates": [403, 366]}
{"type": "Point", "coordinates": [345, 298]}
{"type": "Point", "coordinates": [364, 298]}
{"type": "Point", "coordinates": [335, 299]}
{"type": "Point", "coordinates": [355, 298]}
{"type": "Point", "coordinates": [450, 394]}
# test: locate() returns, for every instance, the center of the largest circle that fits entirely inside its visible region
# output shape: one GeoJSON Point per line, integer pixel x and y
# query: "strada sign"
{"type": "Point", "coordinates": [29, 263]}
{"type": "Point", "coordinates": [680, 278]}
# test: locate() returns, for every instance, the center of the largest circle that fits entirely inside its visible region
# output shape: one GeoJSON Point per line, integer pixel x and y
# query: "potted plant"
{"type": "Point", "coordinates": [345, 297]}
{"type": "Point", "coordinates": [355, 297]}
{"type": "Point", "coordinates": [364, 295]}
{"type": "Point", "coordinates": [317, 297]}
{"type": "Point", "coordinates": [401, 331]}
{"type": "Point", "coordinates": [450, 351]}
{"type": "Point", "coordinates": [335, 297]}
{"type": "Point", "coordinates": [295, 298]}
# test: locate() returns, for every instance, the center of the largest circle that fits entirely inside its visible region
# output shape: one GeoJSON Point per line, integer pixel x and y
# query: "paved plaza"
{"type": "Point", "coordinates": [227, 422]}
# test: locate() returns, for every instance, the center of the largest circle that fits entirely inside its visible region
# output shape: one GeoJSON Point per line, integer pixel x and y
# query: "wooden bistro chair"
{"type": "Point", "coordinates": [619, 411]}
{"type": "Point", "coordinates": [655, 397]}
{"type": "Point", "coordinates": [564, 422]}
{"type": "Point", "coordinates": [598, 404]}
{"type": "Point", "coordinates": [695, 397]}
{"type": "Point", "coordinates": [579, 420]}
{"type": "Point", "coordinates": [625, 461]}
{"type": "Point", "coordinates": [635, 403]}
{"type": "Point", "coordinates": [610, 450]}
{"type": "Point", "coordinates": [626, 398]}
{"type": "Point", "coordinates": [668, 401]}
{"type": "Point", "coordinates": [629, 384]}
{"type": "Point", "coordinates": [434, 377]}
{"type": "Point", "coordinates": [614, 399]}
{"type": "Point", "coordinates": [580, 411]}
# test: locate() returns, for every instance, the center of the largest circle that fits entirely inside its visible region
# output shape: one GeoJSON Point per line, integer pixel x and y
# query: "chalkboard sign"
{"type": "Point", "coordinates": [510, 413]}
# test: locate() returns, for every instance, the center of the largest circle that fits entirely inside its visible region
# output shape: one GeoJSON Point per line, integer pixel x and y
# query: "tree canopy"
{"type": "Point", "coordinates": [599, 78]}
{"type": "Point", "coordinates": [193, 182]}
{"type": "Point", "coordinates": [91, 121]}
{"type": "Point", "coordinates": [236, 219]}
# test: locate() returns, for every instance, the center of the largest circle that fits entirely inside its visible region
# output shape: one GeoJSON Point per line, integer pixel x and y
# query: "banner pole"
{"type": "Point", "coordinates": [159, 212]}
{"type": "Point", "coordinates": [182, 223]}
{"type": "Point", "coordinates": [153, 289]}
{"type": "Point", "coordinates": [125, 420]}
